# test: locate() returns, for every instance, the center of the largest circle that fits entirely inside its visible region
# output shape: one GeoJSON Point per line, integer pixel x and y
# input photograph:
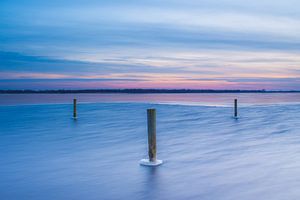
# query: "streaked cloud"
{"type": "Point", "coordinates": [150, 44]}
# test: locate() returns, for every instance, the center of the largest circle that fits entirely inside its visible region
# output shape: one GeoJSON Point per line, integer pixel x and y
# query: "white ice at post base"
{"type": "Point", "coordinates": [146, 162]}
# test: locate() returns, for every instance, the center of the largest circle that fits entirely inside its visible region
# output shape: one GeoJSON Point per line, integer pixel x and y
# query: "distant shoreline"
{"type": "Point", "coordinates": [139, 91]}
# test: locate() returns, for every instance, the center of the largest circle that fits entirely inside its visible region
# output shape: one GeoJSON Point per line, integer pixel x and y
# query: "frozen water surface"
{"type": "Point", "coordinates": [207, 154]}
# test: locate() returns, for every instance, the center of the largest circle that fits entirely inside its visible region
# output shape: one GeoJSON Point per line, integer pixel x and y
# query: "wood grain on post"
{"type": "Point", "coordinates": [151, 117]}
{"type": "Point", "coordinates": [235, 108]}
{"type": "Point", "coordinates": [151, 120]}
{"type": "Point", "coordinates": [74, 108]}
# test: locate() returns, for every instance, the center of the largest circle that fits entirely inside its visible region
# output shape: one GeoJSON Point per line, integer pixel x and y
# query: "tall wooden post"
{"type": "Point", "coordinates": [151, 122]}
{"type": "Point", "coordinates": [74, 108]}
{"type": "Point", "coordinates": [235, 109]}
{"type": "Point", "coordinates": [151, 118]}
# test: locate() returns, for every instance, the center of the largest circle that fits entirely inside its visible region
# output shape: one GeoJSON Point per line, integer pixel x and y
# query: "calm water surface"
{"type": "Point", "coordinates": [207, 154]}
{"type": "Point", "coordinates": [197, 99]}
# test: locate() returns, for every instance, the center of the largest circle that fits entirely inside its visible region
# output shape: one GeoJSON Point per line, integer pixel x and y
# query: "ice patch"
{"type": "Point", "coordinates": [146, 162]}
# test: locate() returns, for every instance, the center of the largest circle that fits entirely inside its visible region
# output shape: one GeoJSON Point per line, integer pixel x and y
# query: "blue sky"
{"type": "Point", "coordinates": [216, 44]}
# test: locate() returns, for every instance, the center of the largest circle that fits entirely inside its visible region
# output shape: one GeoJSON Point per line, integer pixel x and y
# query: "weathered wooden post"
{"type": "Point", "coordinates": [151, 120]}
{"type": "Point", "coordinates": [151, 117]}
{"type": "Point", "coordinates": [75, 108]}
{"type": "Point", "coordinates": [235, 109]}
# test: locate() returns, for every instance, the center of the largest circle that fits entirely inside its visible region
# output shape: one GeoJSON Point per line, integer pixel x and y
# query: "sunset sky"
{"type": "Point", "coordinates": [196, 44]}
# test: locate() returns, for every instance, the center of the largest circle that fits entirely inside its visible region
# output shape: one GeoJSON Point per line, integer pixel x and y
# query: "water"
{"type": "Point", "coordinates": [194, 99]}
{"type": "Point", "coordinates": [207, 154]}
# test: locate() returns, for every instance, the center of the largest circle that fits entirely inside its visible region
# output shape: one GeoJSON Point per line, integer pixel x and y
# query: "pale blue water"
{"type": "Point", "coordinates": [194, 99]}
{"type": "Point", "coordinates": [207, 154]}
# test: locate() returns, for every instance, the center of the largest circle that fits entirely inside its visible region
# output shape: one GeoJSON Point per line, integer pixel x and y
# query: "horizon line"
{"type": "Point", "coordinates": [136, 90]}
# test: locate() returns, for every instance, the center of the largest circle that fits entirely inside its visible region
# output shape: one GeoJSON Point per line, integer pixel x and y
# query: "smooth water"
{"type": "Point", "coordinates": [220, 99]}
{"type": "Point", "coordinates": [207, 154]}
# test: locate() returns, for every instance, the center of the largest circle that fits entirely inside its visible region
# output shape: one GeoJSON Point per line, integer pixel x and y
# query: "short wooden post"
{"type": "Point", "coordinates": [74, 108]}
{"type": "Point", "coordinates": [151, 121]}
{"type": "Point", "coordinates": [235, 109]}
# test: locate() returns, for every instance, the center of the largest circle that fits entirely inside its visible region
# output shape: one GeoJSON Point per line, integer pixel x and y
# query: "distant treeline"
{"type": "Point", "coordinates": [136, 91]}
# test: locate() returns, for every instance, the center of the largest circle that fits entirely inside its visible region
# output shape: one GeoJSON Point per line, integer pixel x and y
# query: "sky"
{"type": "Point", "coordinates": [172, 44]}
